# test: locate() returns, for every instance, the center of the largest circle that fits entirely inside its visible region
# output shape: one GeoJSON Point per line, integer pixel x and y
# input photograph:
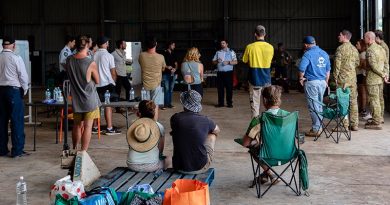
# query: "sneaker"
{"type": "Point", "coordinates": [367, 116]}
{"type": "Point", "coordinates": [112, 131]}
{"type": "Point", "coordinates": [95, 130]}
{"type": "Point", "coordinates": [163, 108]}
{"type": "Point", "coordinates": [373, 126]}
{"type": "Point", "coordinates": [313, 133]}
{"type": "Point", "coordinates": [21, 155]}
{"type": "Point", "coordinates": [171, 106]}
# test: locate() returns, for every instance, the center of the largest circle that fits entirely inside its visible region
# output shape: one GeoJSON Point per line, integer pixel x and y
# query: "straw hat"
{"type": "Point", "coordinates": [143, 135]}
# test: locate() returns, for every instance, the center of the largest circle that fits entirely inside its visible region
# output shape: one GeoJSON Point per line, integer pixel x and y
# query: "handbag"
{"type": "Point", "coordinates": [189, 79]}
{"type": "Point", "coordinates": [187, 192]}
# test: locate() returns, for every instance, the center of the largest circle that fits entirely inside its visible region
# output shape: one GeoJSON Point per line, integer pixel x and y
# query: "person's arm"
{"type": "Point", "coordinates": [302, 68]}
{"type": "Point", "coordinates": [216, 130]}
{"type": "Point", "coordinates": [245, 57]}
{"type": "Point", "coordinates": [201, 71]}
{"type": "Point", "coordinates": [112, 67]}
{"type": "Point", "coordinates": [164, 65]}
{"type": "Point", "coordinates": [93, 73]}
{"type": "Point", "coordinates": [374, 67]}
{"type": "Point", "coordinates": [234, 58]}
{"type": "Point", "coordinates": [337, 64]}
{"type": "Point", "coordinates": [22, 73]}
{"type": "Point", "coordinates": [215, 58]}
{"type": "Point", "coordinates": [246, 141]}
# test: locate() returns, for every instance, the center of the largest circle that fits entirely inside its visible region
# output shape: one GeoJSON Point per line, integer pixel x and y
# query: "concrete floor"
{"type": "Point", "coordinates": [351, 172]}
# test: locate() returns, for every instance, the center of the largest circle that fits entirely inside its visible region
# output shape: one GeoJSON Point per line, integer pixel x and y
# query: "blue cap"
{"type": "Point", "coordinates": [309, 40]}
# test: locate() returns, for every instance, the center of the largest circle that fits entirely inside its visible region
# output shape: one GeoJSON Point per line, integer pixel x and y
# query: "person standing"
{"type": "Point", "coordinates": [361, 46]}
{"type": "Point", "coordinates": [314, 70]}
{"type": "Point", "coordinates": [345, 64]}
{"type": "Point", "coordinates": [376, 74]}
{"type": "Point", "coordinates": [225, 59]}
{"type": "Point", "coordinates": [380, 40]}
{"type": "Point", "coordinates": [107, 76]}
{"type": "Point", "coordinates": [83, 76]}
{"type": "Point", "coordinates": [169, 74]}
{"type": "Point", "coordinates": [192, 70]}
{"type": "Point", "coordinates": [152, 65]}
{"type": "Point", "coordinates": [13, 85]}
{"type": "Point", "coordinates": [64, 54]}
{"type": "Point", "coordinates": [281, 60]}
{"type": "Point", "coordinates": [120, 66]}
{"type": "Point", "coordinates": [259, 57]}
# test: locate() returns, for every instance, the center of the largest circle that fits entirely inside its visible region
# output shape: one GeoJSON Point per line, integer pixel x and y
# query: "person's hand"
{"type": "Point", "coordinates": [302, 81]}
{"type": "Point", "coordinates": [386, 79]}
{"type": "Point", "coordinates": [219, 60]}
{"type": "Point", "coordinates": [173, 70]}
{"type": "Point", "coordinates": [226, 62]}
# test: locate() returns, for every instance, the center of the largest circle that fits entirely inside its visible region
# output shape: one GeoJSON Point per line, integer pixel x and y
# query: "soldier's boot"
{"type": "Point", "coordinates": [373, 126]}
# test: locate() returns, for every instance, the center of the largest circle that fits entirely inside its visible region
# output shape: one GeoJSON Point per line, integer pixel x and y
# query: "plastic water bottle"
{"type": "Point", "coordinates": [144, 95]}
{"type": "Point", "coordinates": [55, 93]}
{"type": "Point", "coordinates": [60, 97]}
{"type": "Point", "coordinates": [21, 192]}
{"type": "Point", "coordinates": [47, 94]}
{"type": "Point", "coordinates": [107, 96]}
{"type": "Point", "coordinates": [131, 94]}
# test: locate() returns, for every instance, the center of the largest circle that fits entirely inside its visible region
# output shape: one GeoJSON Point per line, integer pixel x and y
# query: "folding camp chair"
{"type": "Point", "coordinates": [335, 112]}
{"type": "Point", "coordinates": [279, 147]}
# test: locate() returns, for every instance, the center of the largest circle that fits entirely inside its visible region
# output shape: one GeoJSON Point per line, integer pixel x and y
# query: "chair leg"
{"type": "Point", "coordinates": [98, 121]}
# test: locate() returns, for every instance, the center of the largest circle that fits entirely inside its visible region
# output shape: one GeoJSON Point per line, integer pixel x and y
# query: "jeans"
{"type": "Point", "coordinates": [315, 89]}
{"type": "Point", "coordinates": [168, 84]}
{"type": "Point", "coordinates": [11, 107]}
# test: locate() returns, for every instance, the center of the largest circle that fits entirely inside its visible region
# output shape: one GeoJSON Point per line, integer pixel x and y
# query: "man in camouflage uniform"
{"type": "Point", "coordinates": [379, 40]}
{"type": "Point", "coordinates": [346, 62]}
{"type": "Point", "coordinates": [377, 72]}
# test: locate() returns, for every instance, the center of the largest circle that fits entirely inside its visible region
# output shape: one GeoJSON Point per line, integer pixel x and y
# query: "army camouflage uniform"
{"type": "Point", "coordinates": [346, 62]}
{"type": "Point", "coordinates": [376, 71]}
{"type": "Point", "coordinates": [384, 46]}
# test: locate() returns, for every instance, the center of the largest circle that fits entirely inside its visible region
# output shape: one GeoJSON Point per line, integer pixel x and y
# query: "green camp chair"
{"type": "Point", "coordinates": [334, 113]}
{"type": "Point", "coordinates": [279, 147]}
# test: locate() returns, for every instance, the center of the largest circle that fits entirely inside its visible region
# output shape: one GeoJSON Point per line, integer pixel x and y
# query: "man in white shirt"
{"type": "Point", "coordinates": [120, 66]}
{"type": "Point", "coordinates": [64, 54]}
{"type": "Point", "coordinates": [13, 85]}
{"type": "Point", "coordinates": [107, 75]}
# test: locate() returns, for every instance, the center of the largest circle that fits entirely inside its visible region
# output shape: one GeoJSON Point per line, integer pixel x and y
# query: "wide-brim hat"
{"type": "Point", "coordinates": [191, 100]}
{"type": "Point", "coordinates": [143, 135]}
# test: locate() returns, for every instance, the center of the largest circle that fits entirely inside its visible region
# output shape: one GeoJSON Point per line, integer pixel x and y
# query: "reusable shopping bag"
{"type": "Point", "coordinates": [187, 192]}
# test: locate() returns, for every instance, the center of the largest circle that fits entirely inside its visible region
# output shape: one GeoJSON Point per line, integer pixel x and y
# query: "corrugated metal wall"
{"type": "Point", "coordinates": [189, 23]}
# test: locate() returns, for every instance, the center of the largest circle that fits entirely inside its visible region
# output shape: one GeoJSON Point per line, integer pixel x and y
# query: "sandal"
{"type": "Point", "coordinates": [274, 179]}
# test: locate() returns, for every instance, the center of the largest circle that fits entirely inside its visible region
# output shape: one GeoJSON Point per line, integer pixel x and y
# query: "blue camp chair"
{"type": "Point", "coordinates": [333, 113]}
{"type": "Point", "coordinates": [279, 146]}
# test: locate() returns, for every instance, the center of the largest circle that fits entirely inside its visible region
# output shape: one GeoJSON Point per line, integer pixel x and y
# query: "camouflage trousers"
{"type": "Point", "coordinates": [353, 109]}
{"type": "Point", "coordinates": [376, 101]}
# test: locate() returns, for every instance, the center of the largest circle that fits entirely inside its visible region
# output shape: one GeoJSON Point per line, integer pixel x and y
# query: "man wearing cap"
{"type": "Point", "coordinates": [152, 65]}
{"type": "Point", "coordinates": [64, 54]}
{"type": "Point", "coordinates": [193, 136]}
{"type": "Point", "coordinates": [376, 74]}
{"type": "Point", "coordinates": [107, 75]}
{"type": "Point", "coordinates": [259, 57]}
{"type": "Point", "coordinates": [345, 63]}
{"type": "Point", "coordinates": [13, 85]}
{"type": "Point", "coordinates": [314, 70]}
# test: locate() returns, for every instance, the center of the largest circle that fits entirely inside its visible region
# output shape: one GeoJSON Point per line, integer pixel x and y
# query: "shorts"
{"type": "Point", "coordinates": [81, 116]}
{"type": "Point", "coordinates": [102, 90]}
{"type": "Point", "coordinates": [146, 167]}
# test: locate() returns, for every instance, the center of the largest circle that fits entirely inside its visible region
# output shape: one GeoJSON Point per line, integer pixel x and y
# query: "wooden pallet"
{"type": "Point", "coordinates": [121, 178]}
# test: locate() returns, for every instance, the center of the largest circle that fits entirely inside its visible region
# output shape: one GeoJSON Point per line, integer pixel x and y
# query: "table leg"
{"type": "Point", "coordinates": [35, 126]}
{"type": "Point", "coordinates": [56, 126]}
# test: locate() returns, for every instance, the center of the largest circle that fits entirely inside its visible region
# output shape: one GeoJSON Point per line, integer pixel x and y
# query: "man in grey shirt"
{"type": "Point", "coordinates": [13, 85]}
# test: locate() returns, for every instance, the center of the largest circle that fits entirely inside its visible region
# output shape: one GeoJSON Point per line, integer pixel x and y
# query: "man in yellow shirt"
{"type": "Point", "coordinates": [258, 55]}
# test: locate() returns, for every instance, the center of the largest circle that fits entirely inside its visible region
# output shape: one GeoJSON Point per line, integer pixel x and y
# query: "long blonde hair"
{"type": "Point", "coordinates": [192, 55]}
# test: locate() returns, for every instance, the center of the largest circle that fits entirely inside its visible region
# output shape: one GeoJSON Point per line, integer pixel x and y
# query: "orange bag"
{"type": "Point", "coordinates": [187, 192]}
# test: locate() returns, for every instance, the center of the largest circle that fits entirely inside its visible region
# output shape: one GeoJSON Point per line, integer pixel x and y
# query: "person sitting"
{"type": "Point", "coordinates": [271, 97]}
{"type": "Point", "coordinates": [146, 139]}
{"type": "Point", "coordinates": [193, 136]}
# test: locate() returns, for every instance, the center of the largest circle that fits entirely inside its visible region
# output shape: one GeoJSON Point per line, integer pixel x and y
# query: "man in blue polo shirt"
{"type": "Point", "coordinates": [314, 75]}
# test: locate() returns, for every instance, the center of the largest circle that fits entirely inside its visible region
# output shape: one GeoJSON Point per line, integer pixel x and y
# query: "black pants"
{"type": "Point", "coordinates": [225, 80]}
{"type": "Point", "coordinates": [123, 81]}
